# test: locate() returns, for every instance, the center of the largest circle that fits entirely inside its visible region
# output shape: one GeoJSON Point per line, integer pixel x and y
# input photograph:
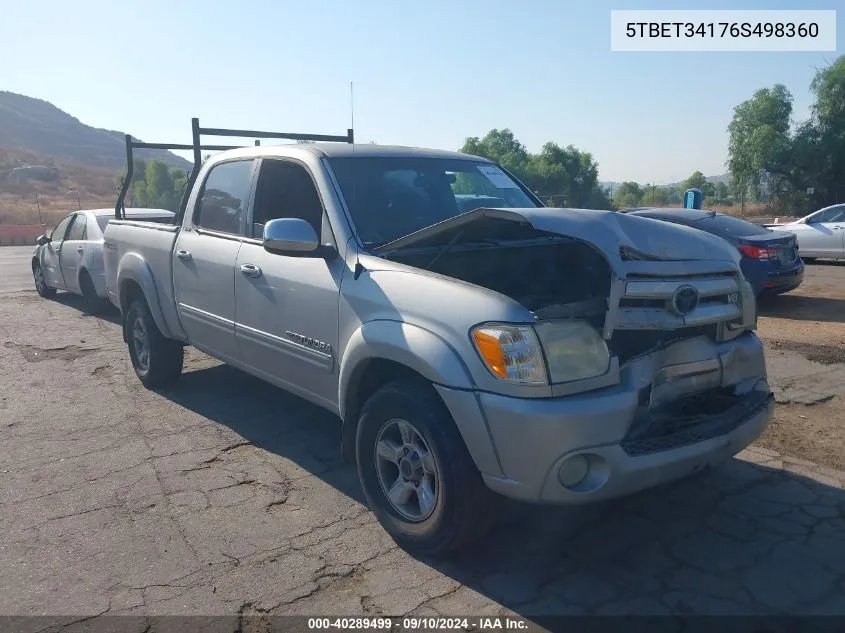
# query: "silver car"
{"type": "Point", "coordinates": [70, 256]}
{"type": "Point", "coordinates": [820, 234]}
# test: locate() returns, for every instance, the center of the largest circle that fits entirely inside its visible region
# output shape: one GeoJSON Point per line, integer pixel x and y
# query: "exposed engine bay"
{"type": "Point", "coordinates": [556, 278]}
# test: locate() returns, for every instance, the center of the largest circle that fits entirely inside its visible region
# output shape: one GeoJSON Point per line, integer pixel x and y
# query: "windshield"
{"type": "Point", "coordinates": [390, 197]}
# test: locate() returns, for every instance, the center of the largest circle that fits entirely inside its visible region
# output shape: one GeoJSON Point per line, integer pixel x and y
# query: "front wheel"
{"type": "Point", "coordinates": [41, 286]}
{"type": "Point", "coordinates": [157, 360]}
{"type": "Point", "coordinates": [416, 473]}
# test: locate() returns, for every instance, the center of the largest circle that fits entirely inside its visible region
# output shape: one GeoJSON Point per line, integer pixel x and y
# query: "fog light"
{"type": "Point", "coordinates": [573, 471]}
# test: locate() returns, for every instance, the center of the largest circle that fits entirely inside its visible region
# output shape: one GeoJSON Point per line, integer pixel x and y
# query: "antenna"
{"type": "Point", "coordinates": [352, 104]}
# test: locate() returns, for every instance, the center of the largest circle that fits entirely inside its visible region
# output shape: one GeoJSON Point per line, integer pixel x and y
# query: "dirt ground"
{"type": "Point", "coordinates": [809, 321]}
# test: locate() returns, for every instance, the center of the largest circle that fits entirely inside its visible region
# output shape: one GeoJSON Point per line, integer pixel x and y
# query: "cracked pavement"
{"type": "Point", "coordinates": [226, 496]}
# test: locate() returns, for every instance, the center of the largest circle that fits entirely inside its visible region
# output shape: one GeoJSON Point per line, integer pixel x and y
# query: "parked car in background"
{"type": "Point", "coordinates": [70, 257]}
{"type": "Point", "coordinates": [820, 234]}
{"type": "Point", "coordinates": [770, 259]}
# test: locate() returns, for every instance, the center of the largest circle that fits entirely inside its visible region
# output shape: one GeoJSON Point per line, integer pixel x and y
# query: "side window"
{"type": "Point", "coordinates": [834, 214]}
{"type": "Point", "coordinates": [838, 214]}
{"type": "Point", "coordinates": [285, 190]}
{"type": "Point", "coordinates": [58, 233]}
{"type": "Point", "coordinates": [223, 198]}
{"type": "Point", "coordinates": [78, 228]}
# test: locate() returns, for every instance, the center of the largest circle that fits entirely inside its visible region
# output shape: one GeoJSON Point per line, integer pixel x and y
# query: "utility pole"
{"type": "Point", "coordinates": [38, 206]}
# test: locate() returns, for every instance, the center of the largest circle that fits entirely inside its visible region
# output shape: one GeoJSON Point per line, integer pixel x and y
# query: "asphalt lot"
{"type": "Point", "coordinates": [227, 496]}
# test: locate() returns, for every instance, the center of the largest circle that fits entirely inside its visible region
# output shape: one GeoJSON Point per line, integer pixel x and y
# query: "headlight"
{"type": "Point", "coordinates": [574, 350]}
{"type": "Point", "coordinates": [511, 352]}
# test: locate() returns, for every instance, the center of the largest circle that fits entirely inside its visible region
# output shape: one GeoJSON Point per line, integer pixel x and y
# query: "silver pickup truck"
{"type": "Point", "coordinates": [556, 356]}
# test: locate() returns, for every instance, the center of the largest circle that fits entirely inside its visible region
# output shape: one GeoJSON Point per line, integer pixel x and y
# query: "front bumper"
{"type": "Point", "coordinates": [614, 428]}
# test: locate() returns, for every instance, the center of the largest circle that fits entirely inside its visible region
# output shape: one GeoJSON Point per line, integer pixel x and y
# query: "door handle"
{"type": "Point", "coordinates": [80, 250]}
{"type": "Point", "coordinates": [185, 256]}
{"type": "Point", "coordinates": [250, 270]}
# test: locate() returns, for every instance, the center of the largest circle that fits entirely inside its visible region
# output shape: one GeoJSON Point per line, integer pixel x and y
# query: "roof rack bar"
{"type": "Point", "coordinates": [197, 148]}
{"type": "Point", "coordinates": [183, 146]}
{"type": "Point", "coordinates": [208, 131]}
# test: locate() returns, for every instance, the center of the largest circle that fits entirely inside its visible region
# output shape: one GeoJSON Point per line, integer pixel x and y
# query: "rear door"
{"type": "Point", "coordinates": [287, 307]}
{"type": "Point", "coordinates": [204, 259]}
{"type": "Point", "coordinates": [51, 254]}
{"type": "Point", "coordinates": [73, 250]}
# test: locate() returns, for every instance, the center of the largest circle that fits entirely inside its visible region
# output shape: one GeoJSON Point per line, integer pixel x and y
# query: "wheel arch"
{"type": "Point", "coordinates": [385, 351]}
{"type": "Point", "coordinates": [135, 280]}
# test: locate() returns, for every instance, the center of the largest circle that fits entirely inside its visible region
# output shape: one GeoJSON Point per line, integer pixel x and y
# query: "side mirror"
{"type": "Point", "coordinates": [293, 237]}
{"type": "Point", "coordinates": [43, 239]}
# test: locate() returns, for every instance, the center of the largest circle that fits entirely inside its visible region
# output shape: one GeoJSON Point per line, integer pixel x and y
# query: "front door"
{"type": "Point", "coordinates": [52, 254]}
{"type": "Point", "coordinates": [204, 259]}
{"type": "Point", "coordinates": [72, 251]}
{"type": "Point", "coordinates": [287, 328]}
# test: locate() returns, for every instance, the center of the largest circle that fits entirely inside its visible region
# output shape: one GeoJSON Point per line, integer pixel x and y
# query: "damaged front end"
{"type": "Point", "coordinates": [669, 302]}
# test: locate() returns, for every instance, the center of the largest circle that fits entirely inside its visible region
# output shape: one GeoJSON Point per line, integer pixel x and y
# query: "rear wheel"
{"type": "Point", "coordinates": [41, 286]}
{"type": "Point", "coordinates": [157, 360]}
{"type": "Point", "coordinates": [93, 302]}
{"type": "Point", "coordinates": [416, 472]}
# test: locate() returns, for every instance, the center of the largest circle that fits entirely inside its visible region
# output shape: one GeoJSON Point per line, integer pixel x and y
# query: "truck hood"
{"type": "Point", "coordinates": [617, 235]}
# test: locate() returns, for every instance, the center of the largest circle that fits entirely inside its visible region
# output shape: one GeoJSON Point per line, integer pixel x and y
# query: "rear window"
{"type": "Point", "coordinates": [729, 226]}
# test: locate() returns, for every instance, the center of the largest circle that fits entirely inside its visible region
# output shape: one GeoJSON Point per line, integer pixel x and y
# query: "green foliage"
{"type": "Point", "coordinates": [628, 194]}
{"type": "Point", "coordinates": [563, 175]}
{"type": "Point", "coordinates": [696, 181]}
{"type": "Point", "coordinates": [765, 147]}
{"type": "Point", "coordinates": [759, 136]}
{"type": "Point", "coordinates": [155, 185]}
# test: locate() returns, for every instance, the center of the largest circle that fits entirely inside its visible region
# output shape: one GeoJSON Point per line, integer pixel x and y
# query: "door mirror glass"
{"type": "Point", "coordinates": [291, 236]}
{"type": "Point", "coordinates": [43, 239]}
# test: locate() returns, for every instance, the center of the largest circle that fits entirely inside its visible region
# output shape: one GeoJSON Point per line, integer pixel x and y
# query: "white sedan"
{"type": "Point", "coordinates": [70, 257]}
{"type": "Point", "coordinates": [820, 234]}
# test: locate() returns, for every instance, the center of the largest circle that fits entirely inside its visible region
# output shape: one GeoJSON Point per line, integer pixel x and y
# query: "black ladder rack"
{"type": "Point", "coordinates": [197, 147]}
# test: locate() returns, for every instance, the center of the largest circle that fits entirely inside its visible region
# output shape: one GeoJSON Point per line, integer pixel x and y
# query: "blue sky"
{"type": "Point", "coordinates": [425, 73]}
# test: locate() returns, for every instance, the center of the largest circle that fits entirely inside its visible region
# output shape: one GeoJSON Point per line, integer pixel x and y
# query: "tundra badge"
{"type": "Point", "coordinates": [313, 343]}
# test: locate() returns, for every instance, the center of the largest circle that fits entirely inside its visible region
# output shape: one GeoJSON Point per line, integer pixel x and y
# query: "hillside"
{"type": "Point", "coordinates": [55, 182]}
{"type": "Point", "coordinates": [38, 126]}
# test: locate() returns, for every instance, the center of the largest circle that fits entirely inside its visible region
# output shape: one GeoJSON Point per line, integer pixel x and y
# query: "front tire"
{"type": "Point", "coordinates": [44, 291]}
{"type": "Point", "coordinates": [93, 302]}
{"type": "Point", "coordinates": [416, 473]}
{"type": "Point", "coordinates": [157, 360]}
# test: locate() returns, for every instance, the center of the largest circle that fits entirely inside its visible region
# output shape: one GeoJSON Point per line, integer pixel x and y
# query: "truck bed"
{"type": "Point", "coordinates": [142, 252]}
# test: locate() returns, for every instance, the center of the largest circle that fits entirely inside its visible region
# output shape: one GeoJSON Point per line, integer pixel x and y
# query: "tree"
{"type": "Point", "coordinates": [628, 194]}
{"type": "Point", "coordinates": [559, 173]}
{"type": "Point", "coordinates": [695, 181]}
{"type": "Point", "coordinates": [502, 147]}
{"type": "Point", "coordinates": [720, 193]}
{"type": "Point", "coordinates": [155, 185]}
{"type": "Point", "coordinates": [758, 136]}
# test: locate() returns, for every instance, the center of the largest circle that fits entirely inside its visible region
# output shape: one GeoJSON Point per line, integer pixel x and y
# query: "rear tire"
{"type": "Point", "coordinates": [93, 302]}
{"type": "Point", "coordinates": [157, 360]}
{"type": "Point", "coordinates": [408, 445]}
{"type": "Point", "coordinates": [44, 291]}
